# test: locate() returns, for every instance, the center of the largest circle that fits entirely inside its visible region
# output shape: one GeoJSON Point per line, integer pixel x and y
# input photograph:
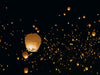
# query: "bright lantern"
{"type": "Point", "coordinates": [32, 42]}
{"type": "Point", "coordinates": [93, 33]}
{"type": "Point", "coordinates": [25, 70]}
{"type": "Point", "coordinates": [68, 8]}
{"type": "Point", "coordinates": [25, 55]}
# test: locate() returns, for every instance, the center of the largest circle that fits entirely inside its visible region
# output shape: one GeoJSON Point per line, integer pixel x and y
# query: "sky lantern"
{"type": "Point", "coordinates": [64, 14]}
{"type": "Point", "coordinates": [32, 42]}
{"type": "Point", "coordinates": [93, 33]}
{"type": "Point", "coordinates": [86, 68]}
{"type": "Point", "coordinates": [17, 58]}
{"type": "Point", "coordinates": [33, 26]}
{"type": "Point", "coordinates": [25, 70]}
{"type": "Point", "coordinates": [68, 8]}
{"type": "Point", "coordinates": [84, 17]}
{"type": "Point", "coordinates": [89, 25]}
{"type": "Point", "coordinates": [25, 55]}
{"type": "Point", "coordinates": [77, 64]}
{"type": "Point", "coordinates": [0, 40]}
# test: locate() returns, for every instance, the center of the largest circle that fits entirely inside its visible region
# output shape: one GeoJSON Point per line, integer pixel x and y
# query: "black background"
{"type": "Point", "coordinates": [46, 10]}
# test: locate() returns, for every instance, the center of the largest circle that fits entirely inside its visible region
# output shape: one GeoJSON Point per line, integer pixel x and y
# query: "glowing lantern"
{"type": "Point", "coordinates": [33, 26]}
{"type": "Point", "coordinates": [93, 33]}
{"type": "Point", "coordinates": [38, 31]}
{"type": "Point", "coordinates": [77, 64]}
{"type": "Point", "coordinates": [89, 25]}
{"type": "Point", "coordinates": [25, 70]}
{"type": "Point", "coordinates": [84, 17]}
{"type": "Point", "coordinates": [32, 42]}
{"type": "Point", "coordinates": [68, 8]}
{"type": "Point", "coordinates": [0, 40]}
{"type": "Point", "coordinates": [71, 44]}
{"type": "Point", "coordinates": [71, 60]}
{"type": "Point", "coordinates": [17, 58]}
{"type": "Point", "coordinates": [64, 14]}
{"type": "Point", "coordinates": [36, 28]}
{"type": "Point", "coordinates": [86, 68]}
{"type": "Point", "coordinates": [59, 15]}
{"type": "Point", "coordinates": [68, 23]}
{"type": "Point", "coordinates": [79, 18]}
{"type": "Point", "coordinates": [25, 55]}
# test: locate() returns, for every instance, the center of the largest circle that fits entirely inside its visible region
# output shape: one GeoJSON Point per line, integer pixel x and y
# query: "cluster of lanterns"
{"type": "Point", "coordinates": [32, 43]}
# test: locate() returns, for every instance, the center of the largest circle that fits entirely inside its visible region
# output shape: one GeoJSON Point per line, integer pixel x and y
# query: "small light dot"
{"type": "Point", "coordinates": [68, 8]}
{"type": "Point", "coordinates": [84, 17]}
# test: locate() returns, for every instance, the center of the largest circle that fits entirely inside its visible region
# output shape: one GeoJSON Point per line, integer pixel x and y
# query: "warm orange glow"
{"type": "Point", "coordinates": [84, 17]}
{"type": "Point", "coordinates": [86, 68]}
{"type": "Point", "coordinates": [25, 55]}
{"type": "Point", "coordinates": [25, 70]}
{"type": "Point", "coordinates": [89, 25]}
{"type": "Point", "coordinates": [17, 58]}
{"type": "Point", "coordinates": [0, 40]}
{"type": "Point", "coordinates": [38, 31]}
{"type": "Point", "coordinates": [93, 33]}
{"type": "Point", "coordinates": [71, 60]}
{"type": "Point", "coordinates": [32, 42]}
{"type": "Point", "coordinates": [79, 18]}
{"type": "Point", "coordinates": [68, 8]}
{"type": "Point", "coordinates": [77, 64]}
{"type": "Point", "coordinates": [64, 14]}
{"type": "Point", "coordinates": [71, 43]}
{"type": "Point", "coordinates": [36, 28]}
{"type": "Point", "coordinates": [33, 26]}
{"type": "Point", "coordinates": [59, 15]}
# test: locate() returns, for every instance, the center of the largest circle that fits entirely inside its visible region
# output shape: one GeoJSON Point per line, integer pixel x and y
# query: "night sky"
{"type": "Point", "coordinates": [69, 30]}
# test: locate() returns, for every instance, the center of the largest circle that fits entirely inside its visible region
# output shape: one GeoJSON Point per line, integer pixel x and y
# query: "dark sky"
{"type": "Point", "coordinates": [46, 10]}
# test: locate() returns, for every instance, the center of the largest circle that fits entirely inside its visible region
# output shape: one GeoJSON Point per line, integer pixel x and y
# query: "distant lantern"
{"type": "Point", "coordinates": [68, 22]}
{"type": "Point", "coordinates": [36, 28]}
{"type": "Point", "coordinates": [33, 26]}
{"type": "Point", "coordinates": [32, 42]}
{"type": "Point", "coordinates": [0, 40]}
{"type": "Point", "coordinates": [98, 14]}
{"type": "Point", "coordinates": [79, 18]}
{"type": "Point", "coordinates": [68, 8]}
{"type": "Point", "coordinates": [77, 64]}
{"type": "Point", "coordinates": [17, 58]}
{"type": "Point", "coordinates": [38, 31]}
{"type": "Point", "coordinates": [59, 15]}
{"type": "Point", "coordinates": [64, 14]}
{"type": "Point", "coordinates": [93, 33]}
{"type": "Point", "coordinates": [89, 25]}
{"type": "Point", "coordinates": [25, 70]}
{"type": "Point", "coordinates": [86, 68]}
{"type": "Point", "coordinates": [25, 55]}
{"type": "Point", "coordinates": [71, 60]}
{"type": "Point", "coordinates": [71, 44]}
{"type": "Point", "coordinates": [84, 17]}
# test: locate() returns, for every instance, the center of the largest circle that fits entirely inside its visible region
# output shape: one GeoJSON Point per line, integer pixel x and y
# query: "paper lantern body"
{"type": "Point", "coordinates": [25, 55]}
{"type": "Point", "coordinates": [93, 33]}
{"type": "Point", "coordinates": [25, 70]}
{"type": "Point", "coordinates": [32, 42]}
